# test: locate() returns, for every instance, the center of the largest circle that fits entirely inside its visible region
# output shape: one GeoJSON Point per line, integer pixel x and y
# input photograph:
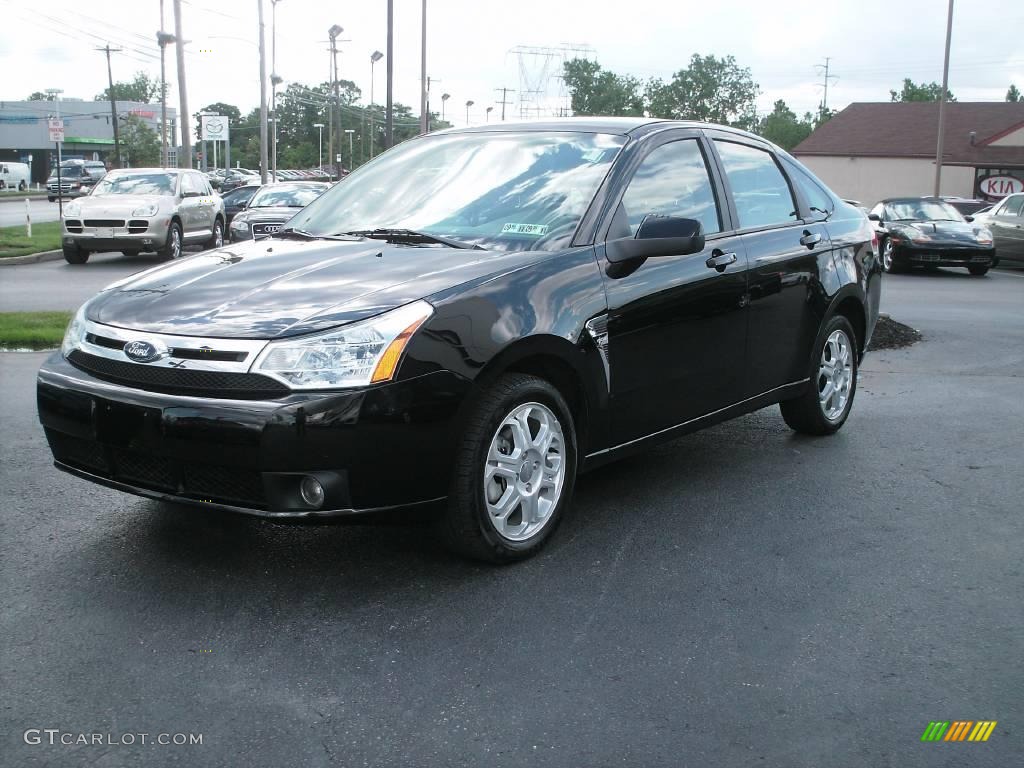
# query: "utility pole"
{"type": "Point", "coordinates": [504, 100]}
{"type": "Point", "coordinates": [275, 80]}
{"type": "Point", "coordinates": [825, 69]}
{"type": "Point", "coordinates": [113, 103]}
{"type": "Point", "coordinates": [389, 120]}
{"type": "Point", "coordinates": [162, 39]}
{"type": "Point", "coordinates": [186, 141]}
{"type": "Point", "coordinates": [333, 33]}
{"type": "Point", "coordinates": [424, 85]}
{"type": "Point", "coordinates": [942, 101]}
{"type": "Point", "coordinates": [263, 95]}
{"type": "Point", "coordinates": [374, 58]}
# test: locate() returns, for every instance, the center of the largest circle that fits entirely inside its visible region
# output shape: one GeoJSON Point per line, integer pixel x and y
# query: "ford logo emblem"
{"type": "Point", "coordinates": [144, 351]}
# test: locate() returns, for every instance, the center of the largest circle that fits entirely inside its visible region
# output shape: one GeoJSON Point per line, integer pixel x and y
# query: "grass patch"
{"type": "Point", "coordinates": [35, 330]}
{"type": "Point", "coordinates": [45, 237]}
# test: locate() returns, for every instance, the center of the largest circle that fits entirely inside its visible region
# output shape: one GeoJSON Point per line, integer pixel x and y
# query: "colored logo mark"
{"type": "Point", "coordinates": [959, 730]}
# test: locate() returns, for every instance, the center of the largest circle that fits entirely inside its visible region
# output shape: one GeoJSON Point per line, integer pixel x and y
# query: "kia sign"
{"type": "Point", "coordinates": [1000, 186]}
{"type": "Point", "coordinates": [56, 130]}
{"type": "Point", "coordinates": [215, 128]}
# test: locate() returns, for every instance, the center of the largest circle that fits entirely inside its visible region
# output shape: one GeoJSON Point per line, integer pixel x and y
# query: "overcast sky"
{"type": "Point", "coordinates": [873, 44]}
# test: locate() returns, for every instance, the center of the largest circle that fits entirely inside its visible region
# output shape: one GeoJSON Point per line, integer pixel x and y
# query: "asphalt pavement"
{"type": "Point", "coordinates": [12, 212]}
{"type": "Point", "coordinates": [739, 597]}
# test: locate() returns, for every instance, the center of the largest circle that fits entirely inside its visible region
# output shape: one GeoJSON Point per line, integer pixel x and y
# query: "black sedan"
{"type": "Point", "coordinates": [471, 320]}
{"type": "Point", "coordinates": [272, 206]}
{"type": "Point", "coordinates": [236, 200]}
{"type": "Point", "coordinates": [929, 232]}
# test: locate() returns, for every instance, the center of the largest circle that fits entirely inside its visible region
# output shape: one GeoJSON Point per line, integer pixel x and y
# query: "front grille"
{"type": "Point", "coordinates": [180, 353]}
{"type": "Point", "coordinates": [266, 228]}
{"type": "Point", "coordinates": [104, 222]}
{"type": "Point", "coordinates": [137, 226]}
{"type": "Point", "coordinates": [73, 225]}
{"type": "Point", "coordinates": [203, 482]}
{"type": "Point", "coordinates": [179, 380]}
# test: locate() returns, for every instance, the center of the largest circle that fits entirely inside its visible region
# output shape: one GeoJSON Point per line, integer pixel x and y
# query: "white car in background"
{"type": "Point", "coordinates": [145, 209]}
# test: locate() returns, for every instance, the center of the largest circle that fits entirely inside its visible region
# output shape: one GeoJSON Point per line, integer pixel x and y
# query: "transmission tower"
{"type": "Point", "coordinates": [541, 88]}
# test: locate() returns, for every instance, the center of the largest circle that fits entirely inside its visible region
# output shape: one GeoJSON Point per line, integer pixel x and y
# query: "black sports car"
{"type": "Point", "coordinates": [929, 232]}
{"type": "Point", "coordinates": [470, 320]}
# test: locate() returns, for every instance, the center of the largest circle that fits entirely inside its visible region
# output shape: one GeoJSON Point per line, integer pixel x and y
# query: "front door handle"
{"type": "Point", "coordinates": [810, 239]}
{"type": "Point", "coordinates": [719, 260]}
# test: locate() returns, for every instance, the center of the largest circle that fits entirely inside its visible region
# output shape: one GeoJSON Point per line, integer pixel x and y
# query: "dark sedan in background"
{"type": "Point", "coordinates": [236, 200]}
{"type": "Point", "coordinates": [468, 322]}
{"type": "Point", "coordinates": [929, 232]}
{"type": "Point", "coordinates": [271, 206]}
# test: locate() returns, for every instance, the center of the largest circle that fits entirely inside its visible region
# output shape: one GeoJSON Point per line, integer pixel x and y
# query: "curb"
{"type": "Point", "coordinates": [32, 258]}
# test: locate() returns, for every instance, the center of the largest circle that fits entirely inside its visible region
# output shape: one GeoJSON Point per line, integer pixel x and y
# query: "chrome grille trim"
{"type": "Point", "coordinates": [194, 347]}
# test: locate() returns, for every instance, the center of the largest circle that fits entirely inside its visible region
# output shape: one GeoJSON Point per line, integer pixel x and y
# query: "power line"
{"type": "Point", "coordinates": [827, 77]}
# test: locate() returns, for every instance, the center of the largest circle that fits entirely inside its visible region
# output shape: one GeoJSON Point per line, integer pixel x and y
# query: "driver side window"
{"type": "Point", "coordinates": [672, 180]}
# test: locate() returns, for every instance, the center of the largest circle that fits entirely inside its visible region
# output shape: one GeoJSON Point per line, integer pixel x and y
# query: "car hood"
{"type": "Point", "coordinates": [274, 288]}
{"type": "Point", "coordinates": [277, 213]}
{"type": "Point", "coordinates": [118, 205]}
{"type": "Point", "coordinates": [943, 231]}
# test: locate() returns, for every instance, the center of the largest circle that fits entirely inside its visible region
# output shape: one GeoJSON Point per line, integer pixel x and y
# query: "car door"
{"type": "Point", "coordinates": [190, 205]}
{"type": "Point", "coordinates": [1007, 227]}
{"type": "Point", "coordinates": [676, 324]}
{"type": "Point", "coordinates": [788, 249]}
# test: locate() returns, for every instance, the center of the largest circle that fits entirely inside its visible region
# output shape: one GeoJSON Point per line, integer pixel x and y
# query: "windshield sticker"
{"type": "Point", "coordinates": [535, 230]}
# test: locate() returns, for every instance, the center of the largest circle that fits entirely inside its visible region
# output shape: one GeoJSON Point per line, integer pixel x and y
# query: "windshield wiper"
{"type": "Point", "coordinates": [393, 235]}
{"type": "Point", "coordinates": [293, 232]}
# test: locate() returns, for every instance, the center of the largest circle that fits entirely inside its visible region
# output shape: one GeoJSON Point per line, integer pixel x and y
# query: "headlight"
{"type": "Point", "coordinates": [75, 334]}
{"type": "Point", "coordinates": [985, 237]}
{"type": "Point", "coordinates": [146, 210]}
{"type": "Point", "coordinates": [355, 356]}
{"type": "Point", "coordinates": [72, 209]}
{"type": "Point", "coordinates": [239, 226]}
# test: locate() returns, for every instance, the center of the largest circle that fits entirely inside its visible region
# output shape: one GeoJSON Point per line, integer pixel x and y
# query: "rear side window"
{"type": "Point", "coordinates": [817, 198]}
{"type": "Point", "coordinates": [672, 180]}
{"type": "Point", "coordinates": [759, 189]}
{"type": "Point", "coordinates": [1013, 206]}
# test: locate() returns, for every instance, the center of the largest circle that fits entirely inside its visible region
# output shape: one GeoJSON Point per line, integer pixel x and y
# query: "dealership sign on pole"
{"type": "Point", "coordinates": [1001, 186]}
{"type": "Point", "coordinates": [215, 128]}
{"type": "Point", "coordinates": [56, 130]}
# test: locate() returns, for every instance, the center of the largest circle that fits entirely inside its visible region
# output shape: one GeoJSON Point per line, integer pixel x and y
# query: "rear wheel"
{"type": "Point", "coordinates": [514, 472]}
{"type": "Point", "coordinates": [172, 248]}
{"type": "Point", "coordinates": [51, 199]}
{"type": "Point", "coordinates": [217, 238]}
{"type": "Point", "coordinates": [22, 186]}
{"type": "Point", "coordinates": [978, 271]}
{"type": "Point", "coordinates": [826, 404]}
{"type": "Point", "coordinates": [75, 255]}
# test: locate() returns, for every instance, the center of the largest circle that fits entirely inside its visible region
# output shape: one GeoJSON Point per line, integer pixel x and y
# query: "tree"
{"type": "Point", "coordinates": [140, 146]}
{"type": "Point", "coordinates": [40, 96]}
{"type": "Point", "coordinates": [784, 128]}
{"type": "Point", "coordinates": [596, 91]}
{"type": "Point", "coordinates": [711, 89]}
{"type": "Point", "coordinates": [1014, 95]}
{"type": "Point", "coordinates": [912, 91]}
{"type": "Point", "coordinates": [142, 88]}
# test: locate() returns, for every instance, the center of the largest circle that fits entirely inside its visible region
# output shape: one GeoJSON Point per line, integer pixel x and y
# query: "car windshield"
{"type": "Point", "coordinates": [922, 210]}
{"type": "Point", "coordinates": [136, 184]}
{"type": "Point", "coordinates": [68, 171]}
{"type": "Point", "coordinates": [507, 191]}
{"type": "Point", "coordinates": [287, 197]}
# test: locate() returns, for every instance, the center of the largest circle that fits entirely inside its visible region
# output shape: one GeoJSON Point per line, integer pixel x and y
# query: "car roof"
{"type": "Point", "coordinates": [591, 124]}
{"type": "Point", "coordinates": [914, 199]}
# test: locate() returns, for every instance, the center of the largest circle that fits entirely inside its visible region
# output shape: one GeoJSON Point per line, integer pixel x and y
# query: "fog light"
{"type": "Point", "coordinates": [312, 492]}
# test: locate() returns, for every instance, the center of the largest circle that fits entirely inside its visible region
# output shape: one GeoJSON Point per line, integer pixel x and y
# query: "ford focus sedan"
{"type": "Point", "coordinates": [470, 321]}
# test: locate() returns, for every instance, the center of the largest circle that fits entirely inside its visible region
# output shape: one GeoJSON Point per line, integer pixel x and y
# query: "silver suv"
{"type": "Point", "coordinates": [144, 209]}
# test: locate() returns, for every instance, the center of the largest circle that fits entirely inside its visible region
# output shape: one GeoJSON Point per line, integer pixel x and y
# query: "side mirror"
{"type": "Point", "coordinates": [658, 236]}
{"type": "Point", "coordinates": [191, 193]}
{"type": "Point", "coordinates": [874, 217]}
{"type": "Point", "coordinates": [968, 218]}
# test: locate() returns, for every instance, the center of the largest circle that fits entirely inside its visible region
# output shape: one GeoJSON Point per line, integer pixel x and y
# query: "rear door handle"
{"type": "Point", "coordinates": [810, 239]}
{"type": "Point", "coordinates": [719, 260]}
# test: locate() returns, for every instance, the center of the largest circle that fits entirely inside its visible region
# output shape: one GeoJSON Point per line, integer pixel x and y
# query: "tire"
{"type": "Point", "coordinates": [75, 255]}
{"type": "Point", "coordinates": [51, 199]}
{"type": "Point", "coordinates": [808, 414]}
{"type": "Point", "coordinates": [978, 271]}
{"type": "Point", "coordinates": [172, 248]}
{"type": "Point", "coordinates": [889, 261]}
{"type": "Point", "coordinates": [466, 526]}
{"type": "Point", "coordinates": [22, 186]}
{"type": "Point", "coordinates": [217, 238]}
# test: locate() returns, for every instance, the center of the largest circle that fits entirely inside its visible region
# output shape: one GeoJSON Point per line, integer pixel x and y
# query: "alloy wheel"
{"type": "Point", "coordinates": [835, 375]}
{"type": "Point", "coordinates": [887, 256]}
{"type": "Point", "coordinates": [524, 473]}
{"type": "Point", "coordinates": [175, 243]}
{"type": "Point", "coordinates": [218, 235]}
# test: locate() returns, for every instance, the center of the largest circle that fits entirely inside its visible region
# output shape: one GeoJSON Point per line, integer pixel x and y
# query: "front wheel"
{"type": "Point", "coordinates": [978, 271]}
{"type": "Point", "coordinates": [172, 248]}
{"type": "Point", "coordinates": [217, 238]}
{"type": "Point", "coordinates": [514, 472]}
{"type": "Point", "coordinates": [22, 186]}
{"type": "Point", "coordinates": [75, 255]}
{"type": "Point", "coordinates": [826, 404]}
{"type": "Point", "coordinates": [889, 263]}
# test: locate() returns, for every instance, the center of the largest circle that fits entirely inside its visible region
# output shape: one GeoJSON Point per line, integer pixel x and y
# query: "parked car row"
{"type": "Point", "coordinates": [226, 180]}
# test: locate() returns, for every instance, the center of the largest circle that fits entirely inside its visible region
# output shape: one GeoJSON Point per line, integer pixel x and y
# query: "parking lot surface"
{"type": "Point", "coordinates": [739, 597]}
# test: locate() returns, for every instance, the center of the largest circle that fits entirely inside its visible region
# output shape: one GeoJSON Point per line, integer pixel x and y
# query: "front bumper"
{"type": "Point", "coordinates": [376, 448]}
{"type": "Point", "coordinates": [939, 255]}
{"type": "Point", "coordinates": [143, 234]}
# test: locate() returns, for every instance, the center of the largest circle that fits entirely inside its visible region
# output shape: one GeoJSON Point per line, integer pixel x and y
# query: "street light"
{"type": "Point", "coordinates": [320, 154]}
{"type": "Point", "coordinates": [469, 104]}
{"type": "Point", "coordinates": [444, 98]}
{"type": "Point", "coordinates": [374, 58]}
{"type": "Point", "coordinates": [488, 111]}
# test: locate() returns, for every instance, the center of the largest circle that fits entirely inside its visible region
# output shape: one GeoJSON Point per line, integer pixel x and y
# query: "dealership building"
{"type": "Point", "coordinates": [871, 151]}
{"type": "Point", "coordinates": [88, 134]}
